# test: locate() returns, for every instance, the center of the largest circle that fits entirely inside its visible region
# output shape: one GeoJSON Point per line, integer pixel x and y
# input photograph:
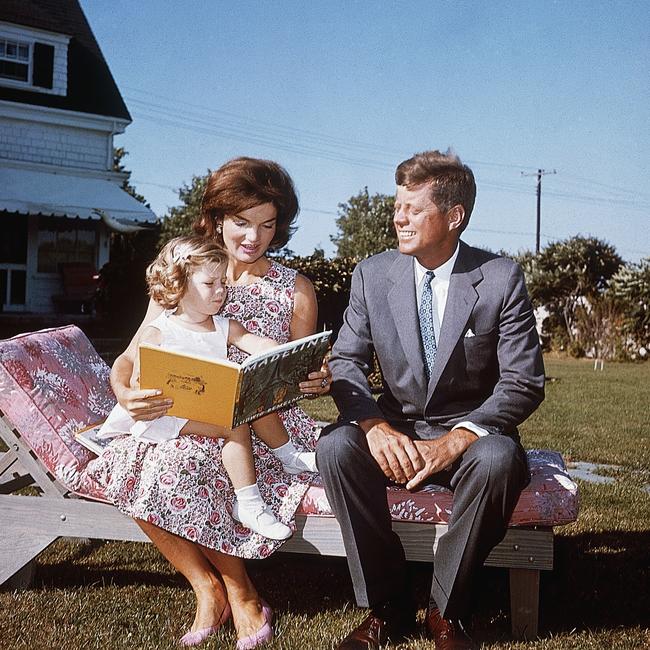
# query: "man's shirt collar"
{"type": "Point", "coordinates": [443, 272]}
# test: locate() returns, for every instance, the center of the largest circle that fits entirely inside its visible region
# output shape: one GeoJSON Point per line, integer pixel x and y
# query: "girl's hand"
{"type": "Point", "coordinates": [144, 404]}
{"type": "Point", "coordinates": [318, 383]}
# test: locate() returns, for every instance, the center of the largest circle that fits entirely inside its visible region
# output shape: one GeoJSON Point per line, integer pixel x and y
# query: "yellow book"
{"type": "Point", "coordinates": [218, 391]}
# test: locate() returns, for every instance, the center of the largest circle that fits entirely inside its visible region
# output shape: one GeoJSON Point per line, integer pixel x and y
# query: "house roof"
{"type": "Point", "coordinates": [91, 87]}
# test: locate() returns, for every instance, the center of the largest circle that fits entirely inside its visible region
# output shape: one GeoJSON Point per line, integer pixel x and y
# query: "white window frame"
{"type": "Point", "coordinates": [29, 62]}
{"type": "Point", "coordinates": [29, 36]}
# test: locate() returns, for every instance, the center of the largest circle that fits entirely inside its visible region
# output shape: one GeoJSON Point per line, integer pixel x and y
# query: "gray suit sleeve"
{"type": "Point", "coordinates": [520, 388]}
{"type": "Point", "coordinates": [351, 359]}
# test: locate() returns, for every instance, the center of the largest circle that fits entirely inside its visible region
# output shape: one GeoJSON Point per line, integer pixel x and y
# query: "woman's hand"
{"type": "Point", "coordinates": [318, 383]}
{"type": "Point", "coordinates": [144, 404]}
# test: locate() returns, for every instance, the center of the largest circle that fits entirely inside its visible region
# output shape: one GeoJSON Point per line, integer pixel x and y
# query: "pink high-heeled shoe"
{"type": "Point", "coordinates": [263, 635]}
{"type": "Point", "coordinates": [195, 638]}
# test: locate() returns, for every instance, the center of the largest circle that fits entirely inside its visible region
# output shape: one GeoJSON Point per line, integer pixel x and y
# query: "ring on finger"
{"type": "Point", "coordinates": [324, 382]}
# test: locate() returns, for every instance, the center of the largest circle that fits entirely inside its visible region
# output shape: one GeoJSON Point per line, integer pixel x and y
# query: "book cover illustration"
{"type": "Point", "coordinates": [270, 383]}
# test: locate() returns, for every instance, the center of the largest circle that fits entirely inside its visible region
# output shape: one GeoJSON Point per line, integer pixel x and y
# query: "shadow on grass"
{"type": "Point", "coordinates": [599, 582]}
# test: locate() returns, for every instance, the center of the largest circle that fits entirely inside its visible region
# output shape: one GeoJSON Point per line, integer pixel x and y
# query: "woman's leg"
{"type": "Point", "coordinates": [242, 595]}
{"type": "Point", "coordinates": [188, 559]}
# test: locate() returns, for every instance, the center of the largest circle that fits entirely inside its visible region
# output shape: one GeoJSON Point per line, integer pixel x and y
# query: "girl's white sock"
{"type": "Point", "coordinates": [295, 461]}
{"type": "Point", "coordinates": [250, 496]}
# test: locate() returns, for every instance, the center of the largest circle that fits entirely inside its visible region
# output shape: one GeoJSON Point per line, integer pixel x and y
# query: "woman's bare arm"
{"type": "Point", "coordinates": [303, 323]}
{"type": "Point", "coordinates": [140, 404]}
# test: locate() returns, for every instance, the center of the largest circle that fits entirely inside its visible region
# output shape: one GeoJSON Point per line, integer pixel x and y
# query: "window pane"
{"type": "Point", "coordinates": [2, 47]}
{"type": "Point", "coordinates": [3, 288]}
{"type": "Point", "coordinates": [85, 251]}
{"type": "Point", "coordinates": [18, 279]}
{"type": "Point", "coordinates": [61, 243]}
{"type": "Point", "coordinates": [23, 52]}
{"type": "Point", "coordinates": [11, 70]}
{"type": "Point", "coordinates": [11, 50]}
{"type": "Point", "coordinates": [13, 244]}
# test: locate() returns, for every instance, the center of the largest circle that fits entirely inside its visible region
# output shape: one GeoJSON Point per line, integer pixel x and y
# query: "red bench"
{"type": "Point", "coordinates": [53, 382]}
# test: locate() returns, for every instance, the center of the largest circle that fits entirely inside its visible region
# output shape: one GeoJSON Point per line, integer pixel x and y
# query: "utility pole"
{"type": "Point", "coordinates": [539, 174]}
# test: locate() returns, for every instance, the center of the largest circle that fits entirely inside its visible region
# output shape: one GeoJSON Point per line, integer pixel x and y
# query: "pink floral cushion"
{"type": "Point", "coordinates": [550, 499]}
{"type": "Point", "coordinates": [53, 383]}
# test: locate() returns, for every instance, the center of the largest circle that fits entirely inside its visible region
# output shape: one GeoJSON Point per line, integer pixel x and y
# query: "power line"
{"type": "Point", "coordinates": [226, 125]}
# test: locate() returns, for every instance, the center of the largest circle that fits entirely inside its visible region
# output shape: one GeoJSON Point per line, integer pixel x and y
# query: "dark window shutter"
{"type": "Point", "coordinates": [43, 71]}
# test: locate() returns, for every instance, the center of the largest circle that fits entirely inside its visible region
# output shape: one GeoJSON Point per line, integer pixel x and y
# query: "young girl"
{"type": "Point", "coordinates": [187, 280]}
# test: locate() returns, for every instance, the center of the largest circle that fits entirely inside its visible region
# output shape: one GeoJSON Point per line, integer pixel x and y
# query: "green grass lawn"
{"type": "Point", "coordinates": [121, 595]}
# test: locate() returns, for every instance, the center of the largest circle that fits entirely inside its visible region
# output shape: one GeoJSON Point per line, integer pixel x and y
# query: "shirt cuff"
{"type": "Point", "coordinates": [479, 431]}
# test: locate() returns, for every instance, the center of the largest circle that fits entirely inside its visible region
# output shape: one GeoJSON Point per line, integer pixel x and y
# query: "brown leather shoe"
{"type": "Point", "coordinates": [448, 635]}
{"type": "Point", "coordinates": [375, 630]}
{"type": "Point", "coordinates": [370, 635]}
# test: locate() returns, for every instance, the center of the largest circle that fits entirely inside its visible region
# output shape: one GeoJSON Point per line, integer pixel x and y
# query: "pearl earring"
{"type": "Point", "coordinates": [219, 229]}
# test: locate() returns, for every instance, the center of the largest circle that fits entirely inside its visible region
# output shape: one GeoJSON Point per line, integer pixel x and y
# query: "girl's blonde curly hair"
{"type": "Point", "coordinates": [168, 274]}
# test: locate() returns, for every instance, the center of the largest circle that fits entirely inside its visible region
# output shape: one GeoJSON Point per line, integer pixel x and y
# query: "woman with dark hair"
{"type": "Point", "coordinates": [249, 206]}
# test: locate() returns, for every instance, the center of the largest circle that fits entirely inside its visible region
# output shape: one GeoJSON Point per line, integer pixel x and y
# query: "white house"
{"type": "Point", "coordinates": [59, 111]}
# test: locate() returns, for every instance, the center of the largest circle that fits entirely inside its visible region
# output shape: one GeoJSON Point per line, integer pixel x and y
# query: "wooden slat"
{"type": "Point", "coordinates": [61, 517]}
{"type": "Point", "coordinates": [18, 549]}
{"type": "Point", "coordinates": [523, 548]}
{"type": "Point", "coordinates": [7, 459]}
{"type": "Point", "coordinates": [42, 478]}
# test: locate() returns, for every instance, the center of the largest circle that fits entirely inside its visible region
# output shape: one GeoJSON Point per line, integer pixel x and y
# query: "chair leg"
{"type": "Point", "coordinates": [17, 551]}
{"type": "Point", "coordinates": [524, 602]}
{"type": "Point", "coordinates": [22, 579]}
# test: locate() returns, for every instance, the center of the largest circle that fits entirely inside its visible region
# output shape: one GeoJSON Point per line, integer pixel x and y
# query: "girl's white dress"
{"type": "Point", "coordinates": [177, 338]}
{"type": "Point", "coordinates": [180, 484]}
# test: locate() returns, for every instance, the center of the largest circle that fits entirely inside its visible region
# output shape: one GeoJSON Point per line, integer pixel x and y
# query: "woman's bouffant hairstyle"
{"type": "Point", "coordinates": [168, 274]}
{"type": "Point", "coordinates": [244, 183]}
{"type": "Point", "coordinates": [452, 182]}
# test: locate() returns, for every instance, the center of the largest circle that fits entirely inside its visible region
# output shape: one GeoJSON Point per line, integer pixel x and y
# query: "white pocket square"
{"type": "Point", "coordinates": [469, 333]}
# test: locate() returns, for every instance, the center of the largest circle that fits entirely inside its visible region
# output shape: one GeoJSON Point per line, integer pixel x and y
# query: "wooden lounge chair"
{"type": "Point", "coordinates": [52, 383]}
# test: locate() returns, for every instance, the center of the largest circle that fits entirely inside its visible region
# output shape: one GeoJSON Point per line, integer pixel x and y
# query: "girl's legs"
{"type": "Point", "coordinates": [237, 457]}
{"type": "Point", "coordinates": [186, 557]}
{"type": "Point", "coordinates": [271, 431]}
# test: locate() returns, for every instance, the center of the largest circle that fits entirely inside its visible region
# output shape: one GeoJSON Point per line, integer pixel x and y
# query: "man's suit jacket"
{"type": "Point", "coordinates": [493, 378]}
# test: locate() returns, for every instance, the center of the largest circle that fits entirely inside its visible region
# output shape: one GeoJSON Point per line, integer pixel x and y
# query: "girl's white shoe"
{"type": "Point", "coordinates": [260, 519]}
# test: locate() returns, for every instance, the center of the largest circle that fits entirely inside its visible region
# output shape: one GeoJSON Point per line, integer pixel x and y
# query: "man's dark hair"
{"type": "Point", "coordinates": [452, 183]}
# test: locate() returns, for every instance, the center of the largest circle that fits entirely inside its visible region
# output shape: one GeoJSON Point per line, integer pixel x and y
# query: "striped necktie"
{"type": "Point", "coordinates": [426, 324]}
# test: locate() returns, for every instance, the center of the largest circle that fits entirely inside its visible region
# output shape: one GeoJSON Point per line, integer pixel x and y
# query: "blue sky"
{"type": "Point", "coordinates": [340, 92]}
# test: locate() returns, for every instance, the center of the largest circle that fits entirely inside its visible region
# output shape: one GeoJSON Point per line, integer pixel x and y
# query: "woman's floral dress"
{"type": "Point", "coordinates": [181, 485]}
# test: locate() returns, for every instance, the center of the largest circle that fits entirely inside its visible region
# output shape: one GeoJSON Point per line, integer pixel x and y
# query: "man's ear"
{"type": "Point", "coordinates": [455, 217]}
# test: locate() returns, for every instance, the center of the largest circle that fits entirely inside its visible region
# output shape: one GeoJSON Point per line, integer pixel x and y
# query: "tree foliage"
{"type": "Point", "coordinates": [365, 225]}
{"type": "Point", "coordinates": [178, 221]}
{"type": "Point", "coordinates": [630, 289]}
{"type": "Point", "coordinates": [122, 293]}
{"type": "Point", "coordinates": [331, 280]}
{"type": "Point", "coordinates": [565, 274]}
{"type": "Point", "coordinates": [119, 154]}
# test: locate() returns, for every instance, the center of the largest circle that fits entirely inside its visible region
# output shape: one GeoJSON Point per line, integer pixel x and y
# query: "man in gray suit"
{"type": "Point", "coordinates": [454, 333]}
